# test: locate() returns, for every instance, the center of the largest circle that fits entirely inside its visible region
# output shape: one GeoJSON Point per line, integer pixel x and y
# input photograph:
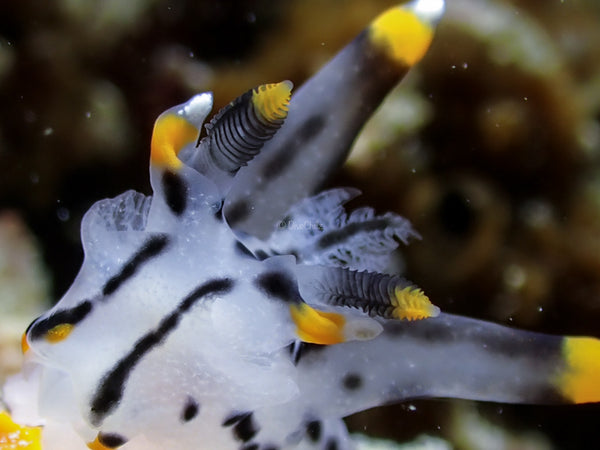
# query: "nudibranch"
{"type": "Point", "coordinates": [237, 308]}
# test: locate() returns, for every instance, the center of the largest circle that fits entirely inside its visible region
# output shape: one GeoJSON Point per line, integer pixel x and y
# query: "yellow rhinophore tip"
{"type": "Point", "coordinates": [410, 303]}
{"type": "Point", "coordinates": [272, 100]}
{"type": "Point", "coordinates": [317, 327]}
{"type": "Point", "coordinates": [405, 32]}
{"type": "Point", "coordinates": [580, 380]}
{"type": "Point", "coordinates": [59, 333]}
{"type": "Point", "coordinates": [17, 437]}
{"type": "Point", "coordinates": [171, 134]}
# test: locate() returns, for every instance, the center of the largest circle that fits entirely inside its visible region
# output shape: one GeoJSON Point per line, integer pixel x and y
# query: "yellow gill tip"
{"type": "Point", "coordinates": [580, 380]}
{"type": "Point", "coordinates": [272, 100]}
{"type": "Point", "coordinates": [172, 132]}
{"type": "Point", "coordinates": [317, 327]}
{"type": "Point", "coordinates": [59, 332]}
{"type": "Point", "coordinates": [14, 436]}
{"type": "Point", "coordinates": [410, 303]}
{"type": "Point", "coordinates": [405, 32]}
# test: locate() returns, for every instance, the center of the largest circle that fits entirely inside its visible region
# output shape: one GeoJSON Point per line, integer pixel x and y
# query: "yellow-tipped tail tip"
{"type": "Point", "coordinates": [405, 32]}
{"type": "Point", "coordinates": [272, 100]}
{"type": "Point", "coordinates": [410, 303]}
{"type": "Point", "coordinates": [14, 436]}
{"type": "Point", "coordinates": [580, 380]}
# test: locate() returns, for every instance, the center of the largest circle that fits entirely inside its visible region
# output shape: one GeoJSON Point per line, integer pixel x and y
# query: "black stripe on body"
{"type": "Point", "coordinates": [175, 191]}
{"type": "Point", "coordinates": [110, 389]}
{"type": "Point", "coordinates": [281, 161]}
{"type": "Point", "coordinates": [543, 352]}
{"type": "Point", "coordinates": [72, 316]}
{"type": "Point", "coordinates": [151, 248]}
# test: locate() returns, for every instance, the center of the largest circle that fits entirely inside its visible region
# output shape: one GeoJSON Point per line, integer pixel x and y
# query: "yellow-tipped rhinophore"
{"type": "Point", "coordinates": [317, 327]}
{"type": "Point", "coordinates": [171, 134]}
{"type": "Point", "coordinates": [410, 303]}
{"type": "Point", "coordinates": [16, 437]}
{"type": "Point", "coordinates": [59, 333]}
{"type": "Point", "coordinates": [272, 100]}
{"type": "Point", "coordinates": [580, 380]}
{"type": "Point", "coordinates": [405, 32]}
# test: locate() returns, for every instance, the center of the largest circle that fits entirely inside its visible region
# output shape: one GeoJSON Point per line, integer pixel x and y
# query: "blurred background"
{"type": "Point", "coordinates": [491, 147]}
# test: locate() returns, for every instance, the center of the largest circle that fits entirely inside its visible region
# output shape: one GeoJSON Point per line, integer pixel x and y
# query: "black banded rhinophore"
{"type": "Point", "coordinates": [237, 308]}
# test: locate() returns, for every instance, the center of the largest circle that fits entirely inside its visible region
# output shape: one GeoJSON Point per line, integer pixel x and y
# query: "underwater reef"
{"type": "Point", "coordinates": [491, 147]}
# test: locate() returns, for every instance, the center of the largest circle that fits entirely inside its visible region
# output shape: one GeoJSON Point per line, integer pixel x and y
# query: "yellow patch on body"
{"type": "Point", "coordinates": [402, 35]}
{"type": "Point", "coordinates": [580, 381]}
{"type": "Point", "coordinates": [317, 327]}
{"type": "Point", "coordinates": [16, 437]}
{"type": "Point", "coordinates": [24, 344]}
{"type": "Point", "coordinates": [59, 333]}
{"type": "Point", "coordinates": [171, 134]}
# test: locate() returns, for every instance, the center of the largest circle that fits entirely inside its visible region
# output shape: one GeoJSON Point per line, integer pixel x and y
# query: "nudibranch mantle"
{"type": "Point", "coordinates": [237, 309]}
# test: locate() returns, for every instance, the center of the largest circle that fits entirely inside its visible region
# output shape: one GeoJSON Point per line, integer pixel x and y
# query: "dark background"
{"type": "Point", "coordinates": [500, 174]}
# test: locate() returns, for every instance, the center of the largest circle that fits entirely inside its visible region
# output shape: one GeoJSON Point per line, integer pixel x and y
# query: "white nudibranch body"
{"type": "Point", "coordinates": [236, 309]}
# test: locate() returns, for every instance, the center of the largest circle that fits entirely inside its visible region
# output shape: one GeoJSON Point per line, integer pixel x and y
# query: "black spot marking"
{"type": "Point", "coordinates": [279, 285]}
{"type": "Point", "coordinates": [111, 440]}
{"type": "Point", "coordinates": [243, 250]}
{"type": "Point", "coordinates": [175, 191]}
{"type": "Point", "coordinates": [352, 381]}
{"type": "Point", "coordinates": [72, 316]}
{"type": "Point", "coordinates": [336, 237]}
{"type": "Point", "coordinates": [151, 248]}
{"type": "Point", "coordinates": [261, 255]}
{"type": "Point", "coordinates": [332, 444]}
{"type": "Point", "coordinates": [110, 389]}
{"type": "Point", "coordinates": [251, 447]}
{"type": "Point", "coordinates": [190, 409]}
{"type": "Point", "coordinates": [234, 418]}
{"type": "Point", "coordinates": [283, 159]}
{"type": "Point", "coordinates": [237, 212]}
{"type": "Point", "coordinates": [244, 428]}
{"type": "Point", "coordinates": [314, 431]}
